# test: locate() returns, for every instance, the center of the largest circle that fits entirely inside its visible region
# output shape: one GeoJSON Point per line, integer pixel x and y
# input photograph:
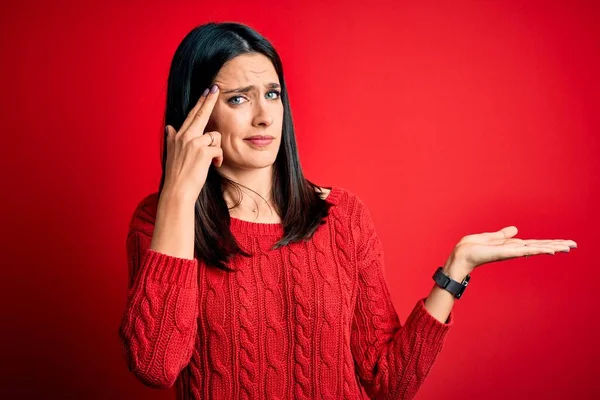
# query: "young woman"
{"type": "Point", "coordinates": [249, 281]}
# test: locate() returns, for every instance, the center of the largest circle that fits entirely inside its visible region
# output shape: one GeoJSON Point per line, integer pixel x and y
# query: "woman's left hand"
{"type": "Point", "coordinates": [482, 248]}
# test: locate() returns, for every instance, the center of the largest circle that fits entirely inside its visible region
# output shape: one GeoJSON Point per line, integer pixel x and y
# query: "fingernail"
{"type": "Point", "coordinates": [205, 92]}
{"type": "Point", "coordinates": [214, 89]}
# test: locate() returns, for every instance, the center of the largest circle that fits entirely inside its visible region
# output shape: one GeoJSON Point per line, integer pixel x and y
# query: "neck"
{"type": "Point", "coordinates": [256, 185]}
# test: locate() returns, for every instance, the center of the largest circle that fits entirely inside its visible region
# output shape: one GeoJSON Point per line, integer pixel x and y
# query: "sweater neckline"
{"type": "Point", "coordinates": [261, 228]}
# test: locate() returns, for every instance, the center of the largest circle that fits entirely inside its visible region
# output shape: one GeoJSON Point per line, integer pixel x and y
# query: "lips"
{"type": "Point", "coordinates": [259, 137]}
{"type": "Point", "coordinates": [259, 140]}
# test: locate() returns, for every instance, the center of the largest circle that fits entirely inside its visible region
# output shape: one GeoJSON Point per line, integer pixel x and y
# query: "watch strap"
{"type": "Point", "coordinates": [445, 282]}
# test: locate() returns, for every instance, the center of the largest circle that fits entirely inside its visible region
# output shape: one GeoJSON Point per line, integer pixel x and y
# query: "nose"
{"type": "Point", "coordinates": [262, 116]}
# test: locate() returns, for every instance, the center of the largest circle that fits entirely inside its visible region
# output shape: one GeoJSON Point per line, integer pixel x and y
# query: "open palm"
{"type": "Point", "coordinates": [483, 248]}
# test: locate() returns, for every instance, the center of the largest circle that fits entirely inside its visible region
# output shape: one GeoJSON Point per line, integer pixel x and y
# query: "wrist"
{"type": "Point", "coordinates": [456, 274]}
{"type": "Point", "coordinates": [177, 195]}
{"type": "Point", "coordinates": [453, 281]}
{"type": "Point", "coordinates": [456, 269]}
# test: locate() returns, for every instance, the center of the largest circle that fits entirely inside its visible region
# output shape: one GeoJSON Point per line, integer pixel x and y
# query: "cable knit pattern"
{"type": "Point", "coordinates": [192, 378]}
{"type": "Point", "coordinates": [158, 327]}
{"type": "Point", "coordinates": [275, 342]}
{"type": "Point", "coordinates": [303, 302]}
{"type": "Point", "coordinates": [216, 317]}
{"type": "Point", "coordinates": [310, 320]}
{"type": "Point", "coordinates": [330, 311]}
{"type": "Point", "coordinates": [247, 332]}
{"type": "Point", "coordinates": [343, 242]}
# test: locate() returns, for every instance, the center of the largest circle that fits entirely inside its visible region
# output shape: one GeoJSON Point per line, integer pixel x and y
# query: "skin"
{"type": "Point", "coordinates": [237, 115]}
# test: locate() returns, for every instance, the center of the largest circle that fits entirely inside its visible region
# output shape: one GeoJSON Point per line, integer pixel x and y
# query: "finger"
{"type": "Point", "coordinates": [171, 133]}
{"type": "Point", "coordinates": [218, 161]}
{"type": "Point", "coordinates": [561, 246]}
{"type": "Point", "coordinates": [203, 114]}
{"type": "Point", "coordinates": [554, 246]}
{"type": "Point", "coordinates": [205, 139]}
{"type": "Point", "coordinates": [190, 117]}
{"type": "Point", "coordinates": [217, 138]}
{"type": "Point", "coordinates": [214, 153]}
{"type": "Point", "coordinates": [569, 243]}
{"type": "Point", "coordinates": [539, 243]}
{"type": "Point", "coordinates": [533, 250]}
{"type": "Point", "coordinates": [522, 251]}
{"type": "Point", "coordinates": [169, 140]}
{"type": "Point", "coordinates": [169, 130]}
{"type": "Point", "coordinates": [504, 233]}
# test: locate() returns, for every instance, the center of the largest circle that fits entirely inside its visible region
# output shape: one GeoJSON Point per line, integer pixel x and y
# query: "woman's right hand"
{"type": "Point", "coordinates": [188, 152]}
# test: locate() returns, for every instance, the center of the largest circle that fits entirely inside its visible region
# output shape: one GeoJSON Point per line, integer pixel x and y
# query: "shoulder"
{"type": "Point", "coordinates": [336, 195]}
{"type": "Point", "coordinates": [359, 222]}
{"type": "Point", "coordinates": [346, 201]}
{"type": "Point", "coordinates": [144, 214]}
{"type": "Point", "coordinates": [349, 207]}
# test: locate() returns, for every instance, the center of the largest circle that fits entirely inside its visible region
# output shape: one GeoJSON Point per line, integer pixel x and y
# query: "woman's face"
{"type": "Point", "coordinates": [249, 104]}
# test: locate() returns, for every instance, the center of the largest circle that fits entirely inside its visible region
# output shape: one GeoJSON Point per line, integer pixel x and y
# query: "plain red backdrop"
{"type": "Point", "coordinates": [446, 118]}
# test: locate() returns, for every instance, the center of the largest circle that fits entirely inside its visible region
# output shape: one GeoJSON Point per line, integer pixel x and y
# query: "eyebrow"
{"type": "Point", "coordinates": [247, 89]}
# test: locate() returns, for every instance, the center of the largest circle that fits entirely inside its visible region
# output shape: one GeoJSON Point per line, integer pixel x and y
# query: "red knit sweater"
{"type": "Point", "coordinates": [311, 319]}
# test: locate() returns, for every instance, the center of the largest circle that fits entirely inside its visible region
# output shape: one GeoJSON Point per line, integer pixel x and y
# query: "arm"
{"type": "Point", "coordinates": [392, 359]}
{"type": "Point", "coordinates": [159, 325]}
{"type": "Point", "coordinates": [439, 302]}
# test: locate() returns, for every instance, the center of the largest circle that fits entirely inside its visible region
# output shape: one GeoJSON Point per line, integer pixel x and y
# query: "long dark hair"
{"type": "Point", "coordinates": [196, 62]}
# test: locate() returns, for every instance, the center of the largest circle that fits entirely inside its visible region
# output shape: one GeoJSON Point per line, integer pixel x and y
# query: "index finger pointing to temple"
{"type": "Point", "coordinates": [203, 114]}
{"type": "Point", "coordinates": [192, 114]}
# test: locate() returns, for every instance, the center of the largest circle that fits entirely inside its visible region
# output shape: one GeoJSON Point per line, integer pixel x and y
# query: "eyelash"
{"type": "Point", "coordinates": [237, 104]}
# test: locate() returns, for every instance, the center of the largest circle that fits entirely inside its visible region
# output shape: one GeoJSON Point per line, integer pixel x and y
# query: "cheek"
{"type": "Point", "coordinates": [229, 122]}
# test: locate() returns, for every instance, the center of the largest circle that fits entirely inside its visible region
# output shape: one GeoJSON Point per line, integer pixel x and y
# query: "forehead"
{"type": "Point", "coordinates": [247, 68]}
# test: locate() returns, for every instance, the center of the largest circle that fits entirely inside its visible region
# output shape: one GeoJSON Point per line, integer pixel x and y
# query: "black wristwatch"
{"type": "Point", "coordinates": [445, 282]}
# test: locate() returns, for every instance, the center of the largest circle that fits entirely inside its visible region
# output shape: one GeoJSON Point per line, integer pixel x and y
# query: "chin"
{"type": "Point", "coordinates": [261, 164]}
{"type": "Point", "coordinates": [256, 162]}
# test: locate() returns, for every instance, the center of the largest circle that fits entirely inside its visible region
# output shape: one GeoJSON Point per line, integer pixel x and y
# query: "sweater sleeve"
{"type": "Point", "coordinates": [159, 324]}
{"type": "Point", "coordinates": [392, 359]}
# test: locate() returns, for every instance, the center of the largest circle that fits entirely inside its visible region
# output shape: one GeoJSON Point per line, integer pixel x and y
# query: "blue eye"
{"type": "Point", "coordinates": [277, 92]}
{"type": "Point", "coordinates": [234, 97]}
{"type": "Point", "coordinates": [233, 101]}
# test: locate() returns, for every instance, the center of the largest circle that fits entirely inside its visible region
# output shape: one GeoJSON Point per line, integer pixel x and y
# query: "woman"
{"type": "Point", "coordinates": [249, 281]}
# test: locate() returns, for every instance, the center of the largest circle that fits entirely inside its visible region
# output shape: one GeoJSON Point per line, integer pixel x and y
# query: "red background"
{"type": "Point", "coordinates": [446, 118]}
